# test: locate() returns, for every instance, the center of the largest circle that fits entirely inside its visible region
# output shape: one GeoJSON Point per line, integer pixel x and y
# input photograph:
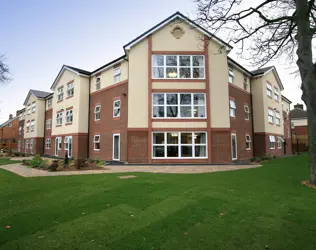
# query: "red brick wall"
{"type": "Point", "coordinates": [238, 124]}
{"type": "Point", "coordinates": [109, 125]}
{"type": "Point", "coordinates": [262, 145]}
{"type": "Point", "coordinates": [221, 147]}
{"type": "Point", "coordinates": [21, 135]}
{"type": "Point", "coordinates": [287, 133]}
{"type": "Point", "coordinates": [38, 146]}
{"type": "Point", "coordinates": [9, 135]}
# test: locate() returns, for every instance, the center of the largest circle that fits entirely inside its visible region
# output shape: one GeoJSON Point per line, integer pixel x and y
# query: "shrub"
{"type": "Point", "coordinates": [26, 162]}
{"type": "Point", "coordinates": [266, 157]}
{"type": "Point", "coordinates": [36, 161]}
{"type": "Point", "coordinates": [53, 167]}
{"type": "Point", "coordinates": [45, 164]}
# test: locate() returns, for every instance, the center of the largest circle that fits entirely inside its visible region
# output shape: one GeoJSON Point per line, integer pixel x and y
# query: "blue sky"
{"type": "Point", "coordinates": [38, 37]}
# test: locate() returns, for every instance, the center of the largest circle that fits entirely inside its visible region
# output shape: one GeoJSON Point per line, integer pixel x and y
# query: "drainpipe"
{"type": "Point", "coordinates": [44, 128]}
{"type": "Point", "coordinates": [253, 125]}
{"type": "Point", "coordinates": [88, 145]}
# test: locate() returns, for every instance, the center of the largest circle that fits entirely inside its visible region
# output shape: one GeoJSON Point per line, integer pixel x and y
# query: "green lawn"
{"type": "Point", "coordinates": [246, 209]}
{"type": "Point", "coordinates": [6, 161]}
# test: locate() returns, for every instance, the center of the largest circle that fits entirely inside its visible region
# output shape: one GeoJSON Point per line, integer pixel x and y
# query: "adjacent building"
{"type": "Point", "coordinates": [299, 128]}
{"type": "Point", "coordinates": [175, 96]}
{"type": "Point", "coordinates": [9, 133]}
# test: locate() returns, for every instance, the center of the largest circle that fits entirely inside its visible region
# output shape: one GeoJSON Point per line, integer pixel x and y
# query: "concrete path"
{"type": "Point", "coordinates": [191, 169]}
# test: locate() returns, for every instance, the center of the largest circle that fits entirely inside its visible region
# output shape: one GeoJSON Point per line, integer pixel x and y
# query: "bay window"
{"type": "Point", "coordinates": [178, 66]}
{"type": "Point", "coordinates": [270, 116]}
{"type": "Point", "coordinates": [179, 105]}
{"type": "Point", "coordinates": [179, 145]}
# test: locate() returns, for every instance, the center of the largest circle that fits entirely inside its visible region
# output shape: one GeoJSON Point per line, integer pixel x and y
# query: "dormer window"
{"type": "Point", "coordinates": [98, 83]}
{"type": "Point", "coordinates": [60, 95]}
{"type": "Point", "coordinates": [117, 74]}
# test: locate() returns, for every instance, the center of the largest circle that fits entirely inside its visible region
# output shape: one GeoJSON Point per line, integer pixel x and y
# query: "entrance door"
{"type": "Point", "coordinates": [116, 147]}
{"type": "Point", "coordinates": [234, 147]}
{"type": "Point", "coordinates": [56, 146]}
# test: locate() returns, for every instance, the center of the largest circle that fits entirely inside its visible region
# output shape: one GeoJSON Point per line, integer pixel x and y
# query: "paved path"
{"type": "Point", "coordinates": [30, 172]}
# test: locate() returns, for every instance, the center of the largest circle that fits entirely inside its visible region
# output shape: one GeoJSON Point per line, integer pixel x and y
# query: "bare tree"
{"type": "Point", "coordinates": [4, 71]}
{"type": "Point", "coordinates": [272, 29]}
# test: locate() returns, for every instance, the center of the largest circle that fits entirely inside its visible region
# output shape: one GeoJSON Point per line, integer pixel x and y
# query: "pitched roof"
{"type": "Point", "coordinates": [168, 20]}
{"type": "Point", "coordinates": [239, 66]}
{"type": "Point", "coordinates": [108, 64]}
{"type": "Point", "coordinates": [298, 113]}
{"type": "Point", "coordinates": [286, 99]}
{"type": "Point", "coordinates": [261, 70]}
{"type": "Point", "coordinates": [80, 71]}
{"type": "Point", "coordinates": [38, 93]}
{"type": "Point", "coordinates": [7, 122]}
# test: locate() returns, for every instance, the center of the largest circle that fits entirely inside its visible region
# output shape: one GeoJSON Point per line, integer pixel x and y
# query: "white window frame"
{"type": "Point", "coordinates": [49, 124]}
{"type": "Point", "coordinates": [116, 108]}
{"type": "Point", "coordinates": [59, 118]}
{"type": "Point", "coordinates": [245, 82]}
{"type": "Point", "coordinates": [248, 142]}
{"type": "Point", "coordinates": [269, 90]}
{"type": "Point", "coordinates": [60, 94]}
{"type": "Point", "coordinates": [96, 141]}
{"type": "Point", "coordinates": [276, 94]}
{"type": "Point", "coordinates": [279, 142]}
{"type": "Point", "coordinates": [10, 125]}
{"type": "Point", "coordinates": [277, 118]}
{"type": "Point", "coordinates": [33, 107]}
{"type": "Point", "coordinates": [179, 105]}
{"type": "Point", "coordinates": [70, 89]}
{"type": "Point", "coordinates": [98, 83]}
{"type": "Point", "coordinates": [32, 126]}
{"type": "Point", "coordinates": [97, 112]}
{"type": "Point", "coordinates": [231, 75]}
{"type": "Point", "coordinates": [272, 140]}
{"type": "Point", "coordinates": [247, 112]}
{"type": "Point", "coordinates": [48, 143]}
{"type": "Point", "coordinates": [178, 67]}
{"type": "Point", "coordinates": [29, 108]}
{"type": "Point", "coordinates": [270, 116]}
{"type": "Point", "coordinates": [27, 127]}
{"type": "Point", "coordinates": [31, 145]}
{"type": "Point", "coordinates": [117, 74]}
{"type": "Point", "coordinates": [119, 147]}
{"type": "Point", "coordinates": [69, 116]}
{"type": "Point", "coordinates": [231, 143]}
{"type": "Point", "coordinates": [232, 108]}
{"type": "Point", "coordinates": [179, 144]}
{"type": "Point", "coordinates": [59, 143]}
{"type": "Point", "coordinates": [49, 103]}
{"type": "Point", "coordinates": [66, 140]}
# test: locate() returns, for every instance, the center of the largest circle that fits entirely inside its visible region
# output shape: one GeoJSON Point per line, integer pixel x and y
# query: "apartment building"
{"type": "Point", "coordinates": [299, 127]}
{"type": "Point", "coordinates": [174, 97]}
{"type": "Point", "coordinates": [9, 133]}
{"type": "Point", "coordinates": [21, 116]}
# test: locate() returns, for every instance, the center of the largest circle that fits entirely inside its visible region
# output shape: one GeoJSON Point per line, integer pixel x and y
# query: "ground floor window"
{"type": "Point", "coordinates": [48, 143]}
{"type": "Point", "coordinates": [248, 142]}
{"type": "Point", "coordinates": [31, 145]}
{"type": "Point", "coordinates": [272, 141]}
{"type": "Point", "coordinates": [59, 142]}
{"type": "Point", "coordinates": [179, 145]}
{"type": "Point", "coordinates": [280, 141]}
{"type": "Point", "coordinates": [96, 142]}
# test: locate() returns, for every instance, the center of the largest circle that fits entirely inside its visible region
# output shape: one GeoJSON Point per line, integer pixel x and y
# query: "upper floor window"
{"type": "Point", "coordinates": [247, 112]}
{"type": "Point", "coordinates": [176, 67]}
{"type": "Point", "coordinates": [97, 114]}
{"type": "Point", "coordinates": [117, 74]}
{"type": "Point", "coordinates": [276, 94]}
{"type": "Point", "coordinates": [179, 105]}
{"type": "Point", "coordinates": [232, 110]}
{"type": "Point", "coordinates": [48, 143]}
{"type": "Point", "coordinates": [116, 108]}
{"type": "Point", "coordinates": [69, 117]}
{"type": "Point", "coordinates": [70, 89]}
{"type": "Point", "coordinates": [248, 142]}
{"type": "Point", "coordinates": [231, 75]}
{"type": "Point", "coordinates": [49, 103]}
{"type": "Point", "coordinates": [60, 94]}
{"type": "Point", "coordinates": [27, 127]}
{"type": "Point", "coordinates": [277, 118]}
{"type": "Point", "coordinates": [96, 142]}
{"type": "Point", "coordinates": [10, 125]}
{"type": "Point", "coordinates": [33, 107]}
{"type": "Point", "coordinates": [270, 116]}
{"type": "Point", "coordinates": [98, 83]}
{"type": "Point", "coordinates": [245, 82]}
{"type": "Point", "coordinates": [20, 130]}
{"type": "Point", "coordinates": [269, 90]}
{"type": "Point", "coordinates": [29, 109]}
{"type": "Point", "coordinates": [59, 118]}
{"type": "Point", "coordinates": [49, 124]}
{"type": "Point", "coordinates": [32, 126]}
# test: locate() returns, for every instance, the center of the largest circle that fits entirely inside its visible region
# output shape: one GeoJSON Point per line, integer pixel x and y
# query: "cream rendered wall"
{"type": "Point", "coordinates": [258, 95]}
{"type": "Point", "coordinates": [179, 85]}
{"type": "Point", "coordinates": [286, 106]}
{"type": "Point", "coordinates": [239, 79]}
{"type": "Point", "coordinates": [107, 77]}
{"type": "Point", "coordinates": [219, 91]}
{"type": "Point", "coordinates": [163, 40]}
{"type": "Point", "coordinates": [79, 102]}
{"type": "Point", "coordinates": [268, 102]}
{"type": "Point", "coordinates": [138, 86]}
{"type": "Point", "coordinates": [179, 125]}
{"type": "Point", "coordinates": [38, 116]}
{"type": "Point", "coordinates": [299, 122]}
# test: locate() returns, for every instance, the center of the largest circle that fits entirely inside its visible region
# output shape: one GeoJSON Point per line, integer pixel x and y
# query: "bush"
{"type": "Point", "coordinates": [256, 159]}
{"type": "Point", "coordinates": [45, 164]}
{"type": "Point", "coordinates": [36, 161]}
{"type": "Point", "coordinates": [53, 167]}
{"type": "Point", "coordinates": [266, 157]}
{"type": "Point", "coordinates": [26, 162]}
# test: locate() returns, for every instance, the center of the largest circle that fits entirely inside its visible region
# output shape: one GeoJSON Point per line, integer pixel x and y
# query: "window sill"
{"type": "Point", "coordinates": [69, 123]}
{"type": "Point", "coordinates": [59, 101]}
{"type": "Point", "coordinates": [117, 118]}
{"type": "Point", "coordinates": [269, 97]}
{"type": "Point", "coordinates": [156, 119]}
{"type": "Point", "coordinates": [97, 121]}
{"type": "Point", "coordinates": [271, 123]}
{"type": "Point", "coordinates": [57, 126]}
{"type": "Point", "coordinates": [178, 80]}
{"type": "Point", "coordinates": [233, 117]}
{"type": "Point", "coordinates": [69, 97]}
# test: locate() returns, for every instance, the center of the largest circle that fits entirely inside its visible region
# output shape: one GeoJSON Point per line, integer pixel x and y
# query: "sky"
{"type": "Point", "coordinates": [38, 37]}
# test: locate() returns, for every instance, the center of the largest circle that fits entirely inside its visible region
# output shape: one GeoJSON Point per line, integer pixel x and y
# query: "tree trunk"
{"type": "Point", "coordinates": [308, 75]}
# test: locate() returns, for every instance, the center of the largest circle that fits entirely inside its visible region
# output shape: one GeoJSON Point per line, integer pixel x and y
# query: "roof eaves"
{"type": "Point", "coordinates": [240, 66]}
{"type": "Point", "coordinates": [104, 67]}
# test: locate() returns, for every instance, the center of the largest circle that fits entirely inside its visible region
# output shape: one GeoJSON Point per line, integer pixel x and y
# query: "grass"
{"type": "Point", "coordinates": [6, 161]}
{"type": "Point", "coordinates": [263, 208]}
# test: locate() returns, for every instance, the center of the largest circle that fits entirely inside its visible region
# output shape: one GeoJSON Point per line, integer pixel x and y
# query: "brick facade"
{"type": "Point", "coordinates": [287, 133]}
{"type": "Point", "coordinates": [9, 135]}
{"type": "Point", "coordinates": [38, 146]}
{"type": "Point", "coordinates": [221, 146]}
{"type": "Point", "coordinates": [262, 145]}
{"type": "Point", "coordinates": [48, 134]}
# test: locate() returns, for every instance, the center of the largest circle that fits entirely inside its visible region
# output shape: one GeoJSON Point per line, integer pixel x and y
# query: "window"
{"type": "Point", "coordinates": [272, 141]}
{"type": "Point", "coordinates": [49, 103]}
{"type": "Point", "coordinates": [292, 125]}
{"type": "Point", "coordinates": [20, 130]}
{"type": "Point", "coordinates": [10, 125]}
{"type": "Point", "coordinates": [247, 112]}
{"type": "Point", "coordinates": [31, 145]}
{"type": "Point", "coordinates": [276, 94]}
{"type": "Point", "coordinates": [179, 105]}
{"type": "Point", "coordinates": [48, 143]}
{"type": "Point", "coordinates": [97, 114]}
{"type": "Point", "coordinates": [269, 90]}
{"type": "Point", "coordinates": [277, 118]}
{"type": "Point", "coordinates": [69, 116]}
{"type": "Point", "coordinates": [59, 118]}
{"type": "Point", "coordinates": [117, 74]}
{"type": "Point", "coordinates": [116, 108]}
{"type": "Point", "coordinates": [33, 107]}
{"type": "Point", "coordinates": [26, 144]}
{"type": "Point", "coordinates": [66, 142]}
{"type": "Point", "coordinates": [70, 89]}
{"type": "Point", "coordinates": [59, 141]}
{"type": "Point", "coordinates": [270, 116]}
{"type": "Point", "coordinates": [60, 94]}
{"type": "Point", "coordinates": [98, 83]}
{"type": "Point", "coordinates": [248, 142]}
{"type": "Point", "coordinates": [96, 142]}
{"type": "Point", "coordinates": [49, 124]}
{"type": "Point", "coordinates": [232, 105]}
{"type": "Point", "coordinates": [27, 127]}
{"type": "Point", "coordinates": [32, 125]}
{"type": "Point", "coordinates": [288, 133]}
{"type": "Point", "coordinates": [29, 109]}
{"type": "Point", "coordinates": [280, 141]}
{"type": "Point", "coordinates": [177, 67]}
{"type": "Point", "coordinates": [245, 82]}
{"type": "Point", "coordinates": [230, 75]}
